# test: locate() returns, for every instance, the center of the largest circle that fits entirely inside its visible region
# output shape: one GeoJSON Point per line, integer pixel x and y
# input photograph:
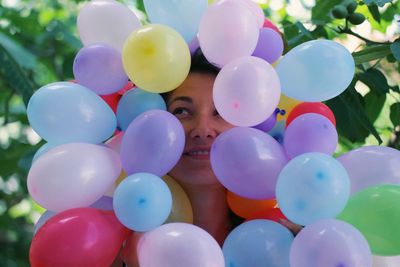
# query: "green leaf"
{"type": "Point", "coordinates": [395, 114]}
{"type": "Point", "coordinates": [373, 104]}
{"type": "Point", "coordinates": [371, 53]}
{"type": "Point", "coordinates": [24, 58]}
{"type": "Point", "coordinates": [380, 3]}
{"type": "Point", "coordinates": [375, 80]}
{"type": "Point", "coordinates": [373, 9]}
{"type": "Point", "coordinates": [395, 48]}
{"type": "Point", "coordinates": [321, 12]}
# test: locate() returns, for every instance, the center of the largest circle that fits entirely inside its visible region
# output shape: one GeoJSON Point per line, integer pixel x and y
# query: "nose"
{"type": "Point", "coordinates": [203, 128]}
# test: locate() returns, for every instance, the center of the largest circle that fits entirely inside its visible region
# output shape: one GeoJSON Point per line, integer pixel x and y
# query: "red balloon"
{"type": "Point", "coordinates": [78, 237]}
{"type": "Point", "coordinates": [269, 24]}
{"type": "Point", "coordinates": [112, 100]}
{"type": "Point", "coordinates": [311, 107]}
{"type": "Point", "coordinates": [273, 214]}
{"type": "Point", "coordinates": [127, 87]}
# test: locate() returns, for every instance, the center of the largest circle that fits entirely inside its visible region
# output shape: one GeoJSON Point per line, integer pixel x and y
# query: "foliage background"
{"type": "Point", "coordinates": [39, 40]}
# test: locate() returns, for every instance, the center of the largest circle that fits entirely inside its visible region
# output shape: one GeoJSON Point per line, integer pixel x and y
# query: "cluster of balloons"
{"type": "Point", "coordinates": [111, 142]}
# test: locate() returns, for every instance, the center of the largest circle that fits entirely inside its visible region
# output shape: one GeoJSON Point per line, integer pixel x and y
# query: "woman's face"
{"type": "Point", "coordinates": [192, 103]}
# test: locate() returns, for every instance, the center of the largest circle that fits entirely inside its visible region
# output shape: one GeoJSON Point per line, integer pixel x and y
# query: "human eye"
{"type": "Point", "coordinates": [181, 112]}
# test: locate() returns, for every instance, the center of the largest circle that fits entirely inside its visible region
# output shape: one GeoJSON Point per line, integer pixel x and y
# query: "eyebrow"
{"type": "Point", "coordinates": [181, 98]}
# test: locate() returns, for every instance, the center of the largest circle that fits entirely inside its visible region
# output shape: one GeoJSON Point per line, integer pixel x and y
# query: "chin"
{"type": "Point", "coordinates": [194, 176]}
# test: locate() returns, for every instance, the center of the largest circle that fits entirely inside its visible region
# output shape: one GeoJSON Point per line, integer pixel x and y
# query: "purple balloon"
{"type": "Point", "coordinates": [104, 203]}
{"type": "Point", "coordinates": [310, 132]}
{"type": "Point", "coordinates": [270, 45]}
{"type": "Point", "coordinates": [99, 68]}
{"type": "Point", "coordinates": [371, 166]}
{"type": "Point", "coordinates": [330, 243]}
{"type": "Point", "coordinates": [269, 123]}
{"type": "Point", "coordinates": [152, 143]}
{"type": "Point", "coordinates": [247, 161]}
{"type": "Point", "coordinates": [194, 45]}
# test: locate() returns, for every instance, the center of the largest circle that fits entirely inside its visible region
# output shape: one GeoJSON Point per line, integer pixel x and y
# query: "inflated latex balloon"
{"type": "Point", "coordinates": [153, 143]}
{"type": "Point", "coordinates": [310, 132]}
{"type": "Point", "coordinates": [181, 210]}
{"type": "Point", "coordinates": [375, 213]}
{"type": "Point", "coordinates": [278, 132]}
{"type": "Point", "coordinates": [182, 15]}
{"type": "Point", "coordinates": [330, 243]}
{"type": "Point", "coordinates": [316, 70]}
{"type": "Point", "coordinates": [286, 105]}
{"type": "Point", "coordinates": [246, 91]}
{"type": "Point", "coordinates": [112, 100]}
{"type": "Point", "coordinates": [245, 207]}
{"type": "Point", "coordinates": [106, 22]}
{"type": "Point", "coordinates": [103, 203]}
{"type": "Point", "coordinates": [273, 214]}
{"type": "Point", "coordinates": [311, 187]}
{"type": "Point", "coordinates": [99, 68]}
{"type": "Point", "coordinates": [257, 11]}
{"type": "Point", "coordinates": [381, 261]}
{"type": "Point", "coordinates": [72, 175]}
{"type": "Point", "coordinates": [115, 142]}
{"type": "Point", "coordinates": [142, 202]}
{"type": "Point", "coordinates": [135, 102]}
{"type": "Point", "coordinates": [258, 243]}
{"type": "Point", "coordinates": [43, 149]}
{"type": "Point", "coordinates": [371, 166]}
{"type": "Point", "coordinates": [156, 58]}
{"type": "Point", "coordinates": [223, 37]}
{"type": "Point", "coordinates": [78, 237]}
{"type": "Point", "coordinates": [269, 46]}
{"type": "Point", "coordinates": [311, 107]}
{"type": "Point", "coordinates": [64, 112]}
{"type": "Point", "coordinates": [269, 24]}
{"type": "Point", "coordinates": [43, 218]}
{"type": "Point", "coordinates": [269, 123]}
{"type": "Point", "coordinates": [247, 162]}
{"type": "Point", "coordinates": [179, 244]}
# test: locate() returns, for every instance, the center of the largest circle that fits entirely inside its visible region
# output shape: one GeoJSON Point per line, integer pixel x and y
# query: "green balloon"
{"type": "Point", "coordinates": [375, 212]}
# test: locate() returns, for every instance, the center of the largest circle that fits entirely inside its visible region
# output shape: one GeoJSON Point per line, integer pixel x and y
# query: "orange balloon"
{"type": "Point", "coordinates": [246, 208]}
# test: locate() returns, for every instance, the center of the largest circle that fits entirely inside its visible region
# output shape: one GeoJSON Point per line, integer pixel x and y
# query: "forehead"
{"type": "Point", "coordinates": [197, 86]}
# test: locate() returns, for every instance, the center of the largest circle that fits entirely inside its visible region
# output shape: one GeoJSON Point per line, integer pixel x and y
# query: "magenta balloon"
{"type": "Point", "coordinates": [330, 243]}
{"type": "Point", "coordinates": [371, 166]}
{"type": "Point", "coordinates": [270, 45]}
{"type": "Point", "coordinates": [99, 68]}
{"type": "Point", "coordinates": [310, 132]}
{"type": "Point", "coordinates": [179, 244]}
{"type": "Point", "coordinates": [247, 162]}
{"type": "Point", "coordinates": [153, 143]}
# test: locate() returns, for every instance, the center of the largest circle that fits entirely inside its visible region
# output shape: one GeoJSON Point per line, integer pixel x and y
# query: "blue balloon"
{"type": "Point", "coordinates": [316, 71]}
{"type": "Point", "coordinates": [135, 102]}
{"type": "Point", "coordinates": [65, 112]}
{"type": "Point", "coordinates": [311, 187]}
{"type": "Point", "coordinates": [142, 202]}
{"type": "Point", "coordinates": [258, 243]}
{"type": "Point", "coordinates": [43, 149]}
{"type": "Point", "coordinates": [182, 15]}
{"type": "Point", "coordinates": [278, 131]}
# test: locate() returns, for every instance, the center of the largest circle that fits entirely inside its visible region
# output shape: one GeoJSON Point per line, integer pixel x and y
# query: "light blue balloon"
{"type": "Point", "coordinates": [311, 187]}
{"type": "Point", "coordinates": [42, 150]}
{"type": "Point", "coordinates": [142, 202]}
{"type": "Point", "coordinates": [65, 112]}
{"type": "Point", "coordinates": [316, 71]}
{"type": "Point", "coordinates": [258, 243]}
{"type": "Point", "coordinates": [135, 102]}
{"type": "Point", "coordinates": [182, 15]}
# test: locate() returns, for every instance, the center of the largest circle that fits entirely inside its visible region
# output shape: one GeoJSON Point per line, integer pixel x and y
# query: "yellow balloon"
{"type": "Point", "coordinates": [156, 58]}
{"type": "Point", "coordinates": [181, 208]}
{"type": "Point", "coordinates": [120, 178]}
{"type": "Point", "coordinates": [287, 104]}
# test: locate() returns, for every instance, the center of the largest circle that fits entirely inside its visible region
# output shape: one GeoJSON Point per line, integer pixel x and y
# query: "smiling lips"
{"type": "Point", "coordinates": [198, 153]}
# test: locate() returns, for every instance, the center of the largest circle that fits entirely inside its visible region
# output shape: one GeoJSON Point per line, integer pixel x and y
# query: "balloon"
{"type": "Point", "coordinates": [311, 187]}
{"type": "Point", "coordinates": [245, 207]}
{"type": "Point", "coordinates": [269, 123]}
{"type": "Point", "coordinates": [103, 203]}
{"type": "Point", "coordinates": [42, 150]}
{"type": "Point", "coordinates": [153, 143]}
{"type": "Point", "coordinates": [269, 46]}
{"type": "Point", "coordinates": [112, 100]}
{"type": "Point", "coordinates": [371, 166]}
{"type": "Point", "coordinates": [258, 13]}
{"type": "Point", "coordinates": [379, 261]}
{"type": "Point", "coordinates": [310, 132]}
{"type": "Point", "coordinates": [65, 112]}
{"type": "Point", "coordinates": [106, 22]}
{"type": "Point", "coordinates": [316, 70]}
{"type": "Point", "coordinates": [330, 243]}
{"type": "Point", "coordinates": [111, 190]}
{"type": "Point", "coordinates": [179, 244]}
{"type": "Point", "coordinates": [273, 214]}
{"type": "Point", "coordinates": [311, 107]}
{"type": "Point", "coordinates": [126, 88]}
{"type": "Point", "coordinates": [247, 162]}
{"type": "Point", "coordinates": [99, 68]}
{"type": "Point", "coordinates": [269, 24]}
{"type": "Point", "coordinates": [115, 142]}
{"type": "Point", "coordinates": [194, 45]}
{"type": "Point", "coordinates": [223, 37]}
{"type": "Point", "coordinates": [72, 175]}
{"type": "Point", "coordinates": [42, 220]}
{"type": "Point", "coordinates": [142, 202]}
{"type": "Point", "coordinates": [258, 243]}
{"type": "Point", "coordinates": [135, 102]}
{"type": "Point", "coordinates": [286, 105]}
{"type": "Point", "coordinates": [78, 237]}
{"type": "Point", "coordinates": [246, 91]}
{"type": "Point", "coordinates": [156, 58]}
{"type": "Point", "coordinates": [183, 16]}
{"type": "Point", "coordinates": [278, 132]}
{"type": "Point", "coordinates": [375, 213]}
{"type": "Point", "coordinates": [181, 210]}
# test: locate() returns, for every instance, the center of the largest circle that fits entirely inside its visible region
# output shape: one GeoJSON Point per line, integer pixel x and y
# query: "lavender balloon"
{"type": "Point", "coordinates": [371, 166]}
{"type": "Point", "coordinates": [103, 203]}
{"type": "Point", "coordinates": [310, 132]}
{"type": "Point", "coordinates": [330, 243]}
{"type": "Point", "coordinates": [269, 123]}
{"type": "Point", "coordinates": [153, 143]}
{"type": "Point", "coordinates": [247, 161]}
{"type": "Point", "coordinates": [99, 68]}
{"type": "Point", "coordinates": [269, 46]}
